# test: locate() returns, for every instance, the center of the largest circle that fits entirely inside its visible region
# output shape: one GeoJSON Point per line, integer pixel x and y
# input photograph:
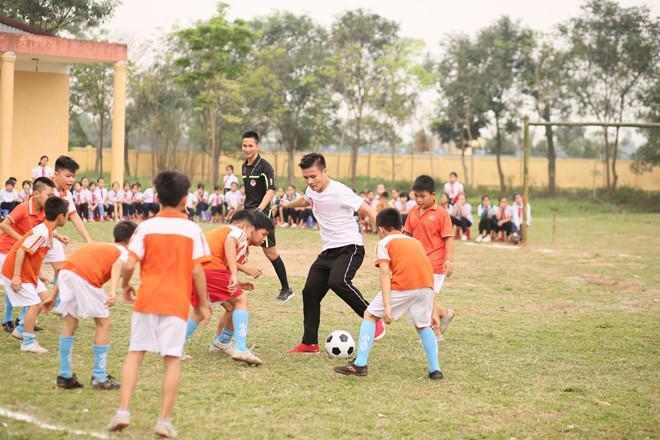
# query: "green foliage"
{"type": "Point", "coordinates": [56, 16]}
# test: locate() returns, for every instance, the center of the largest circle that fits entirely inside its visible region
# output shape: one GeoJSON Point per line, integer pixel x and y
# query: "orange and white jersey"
{"type": "Point", "coordinates": [217, 238]}
{"type": "Point", "coordinates": [93, 261]}
{"type": "Point", "coordinates": [35, 244]}
{"type": "Point", "coordinates": [167, 246]}
{"type": "Point", "coordinates": [411, 268]}
{"type": "Point", "coordinates": [66, 195]}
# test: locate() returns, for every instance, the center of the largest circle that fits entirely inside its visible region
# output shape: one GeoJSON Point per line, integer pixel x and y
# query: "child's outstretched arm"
{"type": "Point", "coordinates": [386, 289]}
{"type": "Point", "coordinates": [449, 255]}
{"type": "Point", "coordinates": [368, 211]}
{"type": "Point", "coordinates": [5, 227]}
{"type": "Point", "coordinates": [254, 272]}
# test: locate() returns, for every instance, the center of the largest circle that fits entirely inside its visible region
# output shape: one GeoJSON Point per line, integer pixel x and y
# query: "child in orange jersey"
{"type": "Point", "coordinates": [80, 288]}
{"type": "Point", "coordinates": [170, 249]}
{"type": "Point", "coordinates": [20, 271]}
{"type": "Point", "coordinates": [406, 282]}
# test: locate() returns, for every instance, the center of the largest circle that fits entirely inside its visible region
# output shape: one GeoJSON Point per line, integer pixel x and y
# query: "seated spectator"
{"type": "Point", "coordinates": [517, 218]}
{"type": "Point", "coordinates": [102, 194]}
{"type": "Point", "coordinates": [80, 200]}
{"type": "Point", "coordinates": [383, 202]}
{"type": "Point", "coordinates": [8, 198]}
{"type": "Point", "coordinates": [216, 201]}
{"type": "Point", "coordinates": [288, 215]}
{"type": "Point", "coordinates": [487, 214]}
{"type": "Point", "coordinates": [380, 189]}
{"type": "Point", "coordinates": [461, 216]}
{"type": "Point", "coordinates": [503, 226]}
{"type": "Point", "coordinates": [191, 204]}
{"type": "Point", "coordinates": [229, 178]}
{"type": "Point", "coordinates": [234, 200]}
{"type": "Point", "coordinates": [453, 188]}
{"type": "Point", "coordinates": [115, 202]}
{"type": "Point", "coordinates": [275, 206]}
{"type": "Point", "coordinates": [42, 170]}
{"type": "Point", "coordinates": [403, 207]}
{"type": "Point", "coordinates": [96, 208]}
{"type": "Point", "coordinates": [150, 206]}
{"type": "Point", "coordinates": [25, 192]}
{"type": "Point", "coordinates": [444, 202]}
{"type": "Point", "coordinates": [127, 202]}
{"type": "Point", "coordinates": [396, 203]}
{"type": "Point", "coordinates": [136, 202]}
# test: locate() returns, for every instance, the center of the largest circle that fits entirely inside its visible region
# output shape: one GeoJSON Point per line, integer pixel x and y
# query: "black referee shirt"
{"type": "Point", "coordinates": [258, 178]}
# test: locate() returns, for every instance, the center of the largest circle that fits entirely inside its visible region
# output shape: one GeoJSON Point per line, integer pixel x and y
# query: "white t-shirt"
{"type": "Point", "coordinates": [334, 210]}
{"type": "Point", "coordinates": [85, 196]}
{"type": "Point", "coordinates": [228, 179]}
{"type": "Point", "coordinates": [202, 197]}
{"type": "Point", "coordinates": [149, 195]}
{"type": "Point", "coordinates": [216, 199]}
{"type": "Point", "coordinates": [233, 199]}
{"type": "Point", "coordinates": [38, 171]}
{"type": "Point", "coordinates": [517, 214]}
{"type": "Point", "coordinates": [459, 213]}
{"type": "Point", "coordinates": [7, 196]}
{"type": "Point", "coordinates": [68, 196]}
{"type": "Point", "coordinates": [115, 196]}
{"type": "Point", "coordinates": [191, 200]}
{"type": "Point", "coordinates": [453, 190]}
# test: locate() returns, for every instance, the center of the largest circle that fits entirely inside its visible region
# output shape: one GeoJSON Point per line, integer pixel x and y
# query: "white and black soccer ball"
{"type": "Point", "coordinates": [340, 344]}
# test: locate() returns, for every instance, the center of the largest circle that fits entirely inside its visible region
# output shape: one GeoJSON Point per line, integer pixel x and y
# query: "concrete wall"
{"type": "Point", "coordinates": [571, 173]}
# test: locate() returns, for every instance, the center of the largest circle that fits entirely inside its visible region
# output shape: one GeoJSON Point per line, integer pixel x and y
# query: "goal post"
{"type": "Point", "coordinates": [526, 147]}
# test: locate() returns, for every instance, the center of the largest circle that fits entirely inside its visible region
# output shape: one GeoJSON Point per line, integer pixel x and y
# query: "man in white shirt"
{"type": "Point", "coordinates": [334, 206]}
{"type": "Point", "coordinates": [453, 188]}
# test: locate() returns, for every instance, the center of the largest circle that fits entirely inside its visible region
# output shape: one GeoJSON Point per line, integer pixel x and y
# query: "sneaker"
{"type": "Point", "coordinates": [487, 239]}
{"type": "Point", "coordinates": [33, 348]}
{"type": "Point", "coordinates": [463, 237]}
{"type": "Point", "coordinates": [218, 347]}
{"type": "Point", "coordinates": [351, 369]}
{"type": "Point", "coordinates": [446, 320]}
{"type": "Point", "coordinates": [436, 375]}
{"type": "Point", "coordinates": [119, 421]}
{"type": "Point", "coordinates": [285, 294]}
{"type": "Point", "coordinates": [8, 326]}
{"type": "Point", "coordinates": [68, 383]}
{"type": "Point", "coordinates": [165, 430]}
{"type": "Point", "coordinates": [246, 356]}
{"type": "Point", "coordinates": [305, 349]}
{"type": "Point", "coordinates": [380, 330]}
{"type": "Point", "coordinates": [108, 384]}
{"type": "Point", "coordinates": [479, 238]}
{"type": "Point", "coordinates": [16, 334]}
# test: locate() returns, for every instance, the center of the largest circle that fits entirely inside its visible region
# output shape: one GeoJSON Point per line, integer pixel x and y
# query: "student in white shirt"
{"type": "Point", "coordinates": [96, 208]}
{"type": "Point", "coordinates": [461, 215]}
{"type": "Point", "coordinates": [191, 202]}
{"type": "Point", "coordinates": [202, 202]}
{"type": "Point", "coordinates": [504, 225]}
{"type": "Point", "coordinates": [229, 178]}
{"type": "Point", "coordinates": [216, 201]}
{"type": "Point", "coordinates": [127, 201]}
{"type": "Point", "coordinates": [517, 217]}
{"type": "Point", "coordinates": [8, 198]}
{"type": "Point", "coordinates": [115, 201]}
{"type": "Point", "coordinates": [136, 201]}
{"type": "Point", "coordinates": [233, 199]}
{"type": "Point", "coordinates": [149, 203]}
{"type": "Point", "coordinates": [102, 196]}
{"type": "Point", "coordinates": [453, 188]}
{"type": "Point", "coordinates": [42, 170]}
{"type": "Point", "coordinates": [487, 214]}
{"type": "Point", "coordinates": [26, 191]}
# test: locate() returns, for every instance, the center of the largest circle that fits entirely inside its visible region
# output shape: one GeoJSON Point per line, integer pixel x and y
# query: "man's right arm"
{"type": "Point", "coordinates": [5, 227]}
{"type": "Point", "coordinates": [298, 203]}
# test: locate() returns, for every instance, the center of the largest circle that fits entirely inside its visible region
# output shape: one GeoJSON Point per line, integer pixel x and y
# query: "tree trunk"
{"type": "Point", "coordinates": [214, 144]}
{"type": "Point", "coordinates": [608, 183]}
{"type": "Point", "coordinates": [127, 166]}
{"type": "Point", "coordinates": [615, 153]}
{"type": "Point", "coordinates": [290, 164]}
{"type": "Point", "coordinates": [354, 151]}
{"type": "Point", "coordinates": [498, 152]}
{"type": "Point", "coordinates": [99, 148]}
{"type": "Point", "coordinates": [465, 170]}
{"type": "Point", "coordinates": [393, 164]}
{"type": "Point", "coordinates": [549, 136]}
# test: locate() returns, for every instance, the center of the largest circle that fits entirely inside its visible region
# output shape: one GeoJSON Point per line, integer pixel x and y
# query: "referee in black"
{"type": "Point", "coordinates": [259, 182]}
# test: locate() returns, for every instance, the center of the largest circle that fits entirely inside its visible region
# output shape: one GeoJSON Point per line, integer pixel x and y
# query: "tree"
{"type": "Point", "coordinates": [505, 48]}
{"type": "Point", "coordinates": [615, 53]}
{"type": "Point", "coordinates": [360, 42]}
{"type": "Point", "coordinates": [91, 92]}
{"type": "Point", "coordinates": [647, 156]}
{"type": "Point", "coordinates": [55, 16]}
{"type": "Point", "coordinates": [213, 56]}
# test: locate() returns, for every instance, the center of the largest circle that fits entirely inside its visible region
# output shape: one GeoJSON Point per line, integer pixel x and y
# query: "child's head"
{"type": "Point", "coordinates": [370, 195]}
{"type": "Point", "coordinates": [127, 186]}
{"type": "Point", "coordinates": [244, 220]}
{"type": "Point", "coordinates": [290, 190]}
{"type": "Point", "coordinates": [262, 227]}
{"type": "Point", "coordinates": [216, 188]}
{"type": "Point", "coordinates": [44, 188]}
{"type": "Point", "coordinates": [229, 169]}
{"type": "Point", "coordinates": [85, 182]}
{"type": "Point", "coordinates": [444, 199]}
{"type": "Point", "coordinates": [200, 187]}
{"type": "Point", "coordinates": [65, 172]}
{"type": "Point", "coordinates": [134, 188]}
{"type": "Point", "coordinates": [380, 189]}
{"type": "Point", "coordinates": [92, 186]}
{"type": "Point", "coordinates": [453, 177]}
{"type": "Point", "coordinates": [172, 188]}
{"type": "Point", "coordinates": [280, 191]}
{"type": "Point", "coordinates": [27, 186]}
{"type": "Point", "coordinates": [461, 199]}
{"type": "Point", "coordinates": [404, 197]}
{"type": "Point", "coordinates": [485, 200]}
{"type": "Point", "coordinates": [55, 210]}
{"type": "Point", "coordinates": [123, 231]}
{"type": "Point", "coordinates": [503, 201]}
{"type": "Point", "coordinates": [517, 198]}
{"type": "Point", "coordinates": [115, 186]}
{"type": "Point", "coordinates": [387, 221]}
{"type": "Point", "coordinates": [9, 185]}
{"type": "Point", "coordinates": [77, 186]}
{"type": "Point", "coordinates": [43, 161]}
{"type": "Point", "coordinates": [395, 193]}
{"type": "Point", "coordinates": [101, 182]}
{"type": "Point", "coordinates": [384, 196]}
{"type": "Point", "coordinates": [234, 186]}
{"type": "Point", "coordinates": [424, 191]}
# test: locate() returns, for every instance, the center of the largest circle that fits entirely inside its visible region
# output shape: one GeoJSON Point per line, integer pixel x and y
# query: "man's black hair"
{"type": "Point", "coordinates": [55, 206]}
{"type": "Point", "coordinates": [100, 178]}
{"type": "Point", "coordinates": [172, 186]}
{"type": "Point", "coordinates": [123, 231]}
{"type": "Point", "coordinates": [66, 163]}
{"type": "Point", "coordinates": [261, 221]}
{"type": "Point", "coordinates": [389, 219]}
{"type": "Point", "coordinates": [40, 182]}
{"type": "Point", "coordinates": [424, 183]}
{"type": "Point", "coordinates": [312, 160]}
{"type": "Point", "coordinates": [251, 134]}
{"type": "Point", "coordinates": [243, 216]}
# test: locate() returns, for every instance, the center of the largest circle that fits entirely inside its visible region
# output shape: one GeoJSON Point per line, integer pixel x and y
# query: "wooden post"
{"type": "Point", "coordinates": [525, 179]}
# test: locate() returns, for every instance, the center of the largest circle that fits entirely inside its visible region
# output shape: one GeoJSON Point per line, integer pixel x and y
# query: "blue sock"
{"type": "Point", "coordinates": [225, 336]}
{"type": "Point", "coordinates": [100, 362]}
{"type": "Point", "coordinates": [240, 320]}
{"type": "Point", "coordinates": [66, 347]}
{"type": "Point", "coordinates": [21, 315]}
{"type": "Point", "coordinates": [190, 329]}
{"type": "Point", "coordinates": [28, 338]}
{"type": "Point", "coordinates": [9, 310]}
{"type": "Point", "coordinates": [20, 328]}
{"type": "Point", "coordinates": [367, 332]}
{"type": "Point", "coordinates": [430, 343]}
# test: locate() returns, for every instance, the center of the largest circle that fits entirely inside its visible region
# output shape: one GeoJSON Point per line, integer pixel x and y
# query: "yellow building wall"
{"type": "Point", "coordinates": [41, 120]}
{"type": "Point", "coordinates": [571, 173]}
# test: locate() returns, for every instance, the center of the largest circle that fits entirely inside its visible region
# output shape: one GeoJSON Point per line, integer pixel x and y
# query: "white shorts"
{"type": "Point", "coordinates": [438, 282]}
{"type": "Point", "coordinates": [162, 334]}
{"type": "Point", "coordinates": [418, 304]}
{"type": "Point", "coordinates": [28, 295]}
{"type": "Point", "coordinates": [56, 253]}
{"type": "Point", "coordinates": [79, 298]}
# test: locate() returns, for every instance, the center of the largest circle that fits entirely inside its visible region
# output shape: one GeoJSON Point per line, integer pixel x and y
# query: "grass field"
{"type": "Point", "coordinates": [560, 340]}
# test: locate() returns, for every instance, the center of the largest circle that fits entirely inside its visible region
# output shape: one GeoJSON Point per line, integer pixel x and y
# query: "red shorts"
{"type": "Point", "coordinates": [217, 285]}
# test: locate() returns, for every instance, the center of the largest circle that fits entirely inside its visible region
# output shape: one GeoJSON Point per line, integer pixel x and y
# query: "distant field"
{"type": "Point", "coordinates": [559, 340]}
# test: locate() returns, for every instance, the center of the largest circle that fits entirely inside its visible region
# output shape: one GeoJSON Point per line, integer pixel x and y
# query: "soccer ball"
{"type": "Point", "coordinates": [339, 344]}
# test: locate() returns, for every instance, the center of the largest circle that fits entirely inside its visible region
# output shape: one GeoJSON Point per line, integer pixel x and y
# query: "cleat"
{"type": "Point", "coordinates": [118, 422]}
{"type": "Point", "coordinates": [8, 326]}
{"type": "Point", "coordinates": [351, 369]}
{"type": "Point", "coordinates": [285, 295]}
{"type": "Point", "coordinates": [380, 330]}
{"type": "Point", "coordinates": [16, 334]}
{"type": "Point", "coordinates": [305, 349]}
{"type": "Point", "coordinates": [33, 348]}
{"type": "Point", "coordinates": [446, 320]}
{"type": "Point", "coordinates": [218, 347]}
{"type": "Point", "coordinates": [246, 356]}
{"type": "Point", "coordinates": [68, 383]}
{"type": "Point", "coordinates": [436, 375]}
{"type": "Point", "coordinates": [165, 430]}
{"type": "Point", "coordinates": [108, 384]}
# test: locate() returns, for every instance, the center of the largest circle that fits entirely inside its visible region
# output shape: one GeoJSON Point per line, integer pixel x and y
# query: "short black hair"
{"type": "Point", "coordinates": [484, 196]}
{"type": "Point", "coordinates": [216, 187]}
{"type": "Point", "coordinates": [230, 166]}
{"type": "Point", "coordinates": [42, 158]}
{"type": "Point", "coordinates": [200, 185]}
{"type": "Point", "coordinates": [243, 216]}
{"type": "Point", "coordinates": [172, 187]}
{"type": "Point", "coordinates": [515, 194]}
{"type": "Point", "coordinates": [312, 160]}
{"type": "Point", "coordinates": [9, 182]}
{"type": "Point", "coordinates": [55, 206]}
{"type": "Point", "coordinates": [261, 221]}
{"type": "Point", "coordinates": [13, 180]}
{"type": "Point", "coordinates": [384, 194]}
{"type": "Point", "coordinates": [66, 163]}
{"type": "Point", "coordinates": [123, 231]}
{"type": "Point", "coordinates": [389, 219]}
{"type": "Point", "coordinates": [501, 198]}
{"type": "Point", "coordinates": [453, 173]}
{"type": "Point", "coordinates": [29, 182]}
{"type": "Point", "coordinates": [424, 183]}
{"type": "Point", "coordinates": [251, 134]}
{"type": "Point", "coordinates": [100, 178]}
{"type": "Point", "coordinates": [40, 182]}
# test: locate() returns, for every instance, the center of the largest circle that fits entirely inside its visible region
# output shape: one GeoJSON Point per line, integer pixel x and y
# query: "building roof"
{"type": "Point", "coordinates": [10, 25]}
